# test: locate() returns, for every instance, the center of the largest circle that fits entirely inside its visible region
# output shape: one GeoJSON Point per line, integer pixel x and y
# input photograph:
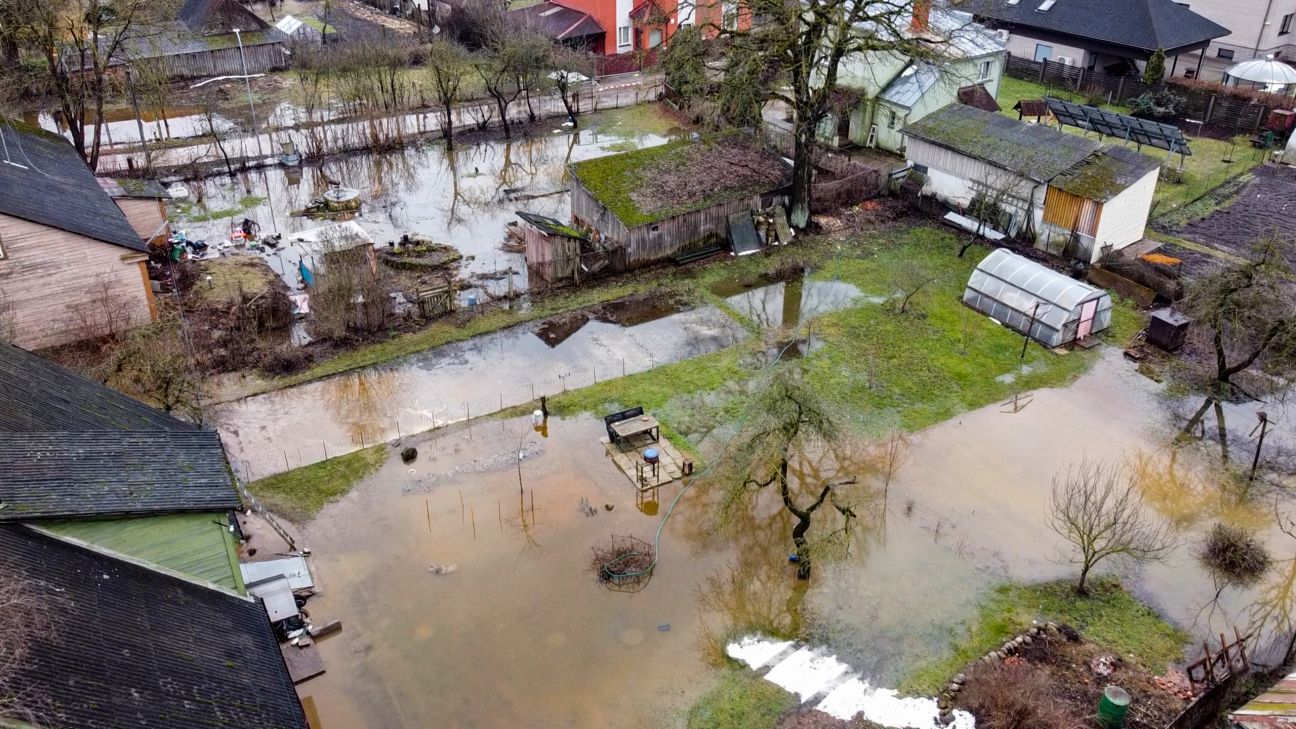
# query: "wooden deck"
{"type": "Point", "coordinates": [670, 468]}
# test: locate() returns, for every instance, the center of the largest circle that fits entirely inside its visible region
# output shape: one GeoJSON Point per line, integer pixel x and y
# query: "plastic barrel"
{"type": "Point", "coordinates": [1113, 706]}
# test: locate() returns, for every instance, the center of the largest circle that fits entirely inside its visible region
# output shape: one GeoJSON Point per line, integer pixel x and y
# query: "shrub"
{"type": "Point", "coordinates": [284, 361]}
{"type": "Point", "coordinates": [1012, 696]}
{"type": "Point", "coordinates": [1235, 554]}
{"type": "Point", "coordinates": [1162, 104]}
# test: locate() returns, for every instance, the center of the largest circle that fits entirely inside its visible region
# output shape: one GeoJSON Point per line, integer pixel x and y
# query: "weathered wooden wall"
{"type": "Point", "coordinates": [224, 61]}
{"type": "Point", "coordinates": [46, 274]}
{"type": "Point", "coordinates": [147, 216]}
{"type": "Point", "coordinates": [550, 258]}
{"type": "Point", "coordinates": [653, 242]}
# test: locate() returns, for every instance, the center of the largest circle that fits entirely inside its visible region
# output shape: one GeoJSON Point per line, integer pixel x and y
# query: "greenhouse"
{"type": "Point", "coordinates": [1033, 299]}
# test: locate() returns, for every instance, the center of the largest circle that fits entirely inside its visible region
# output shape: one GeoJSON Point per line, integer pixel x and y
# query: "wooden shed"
{"type": "Point", "coordinates": [665, 201]}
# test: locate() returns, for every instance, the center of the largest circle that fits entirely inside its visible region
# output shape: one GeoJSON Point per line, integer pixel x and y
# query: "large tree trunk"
{"type": "Point", "coordinates": [447, 127]}
{"type": "Point", "coordinates": [1082, 587]}
{"type": "Point", "coordinates": [503, 105]}
{"type": "Point", "coordinates": [802, 545]}
{"type": "Point", "coordinates": [802, 174]}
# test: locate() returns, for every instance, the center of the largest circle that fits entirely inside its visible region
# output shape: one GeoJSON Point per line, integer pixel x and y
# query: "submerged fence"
{"type": "Point", "coordinates": [1243, 112]}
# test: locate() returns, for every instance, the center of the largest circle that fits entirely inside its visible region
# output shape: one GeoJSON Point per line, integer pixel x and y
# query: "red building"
{"type": "Point", "coordinates": [613, 27]}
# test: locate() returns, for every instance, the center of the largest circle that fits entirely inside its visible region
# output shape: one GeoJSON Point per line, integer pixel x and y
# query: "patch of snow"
{"type": "Point", "coordinates": [807, 673]}
{"type": "Point", "coordinates": [756, 652]}
{"type": "Point", "coordinates": [887, 707]}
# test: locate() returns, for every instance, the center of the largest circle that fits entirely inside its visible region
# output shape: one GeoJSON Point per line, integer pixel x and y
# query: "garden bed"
{"type": "Point", "coordinates": [1261, 208]}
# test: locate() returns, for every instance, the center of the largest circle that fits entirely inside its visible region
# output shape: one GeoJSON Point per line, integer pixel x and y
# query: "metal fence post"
{"type": "Point", "coordinates": [1043, 69]}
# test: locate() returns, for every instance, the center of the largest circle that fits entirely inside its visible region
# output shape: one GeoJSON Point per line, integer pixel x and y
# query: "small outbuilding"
{"type": "Point", "coordinates": [1033, 299]}
{"type": "Point", "coordinates": [677, 198]}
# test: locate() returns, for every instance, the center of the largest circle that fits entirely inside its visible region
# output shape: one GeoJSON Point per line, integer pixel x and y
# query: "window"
{"type": "Point", "coordinates": [1043, 52]}
{"type": "Point", "coordinates": [654, 38]}
{"type": "Point", "coordinates": [623, 35]}
{"type": "Point", "coordinates": [892, 118]}
{"type": "Point", "coordinates": [985, 71]}
{"type": "Point", "coordinates": [1225, 54]}
{"type": "Point", "coordinates": [1286, 25]}
{"type": "Point", "coordinates": [730, 15]}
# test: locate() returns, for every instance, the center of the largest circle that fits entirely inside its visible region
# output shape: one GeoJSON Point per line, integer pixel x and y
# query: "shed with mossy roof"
{"type": "Point", "coordinates": [1070, 195]}
{"type": "Point", "coordinates": [673, 199]}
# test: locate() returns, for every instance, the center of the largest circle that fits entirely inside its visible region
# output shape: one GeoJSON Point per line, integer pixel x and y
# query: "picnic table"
{"type": "Point", "coordinates": [630, 427]}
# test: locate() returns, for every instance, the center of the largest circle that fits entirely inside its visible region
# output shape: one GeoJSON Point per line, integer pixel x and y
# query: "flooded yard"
{"type": "Point", "coordinates": [463, 198]}
{"type": "Point", "coordinates": [287, 428]}
{"type": "Point", "coordinates": [495, 622]}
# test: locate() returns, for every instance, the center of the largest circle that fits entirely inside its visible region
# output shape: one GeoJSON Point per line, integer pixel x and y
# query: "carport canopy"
{"type": "Point", "coordinates": [1030, 298]}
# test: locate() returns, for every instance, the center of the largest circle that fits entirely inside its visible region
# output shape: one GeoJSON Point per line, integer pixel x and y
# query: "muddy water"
{"type": "Point", "coordinates": [287, 428]}
{"type": "Point", "coordinates": [464, 198]}
{"type": "Point", "coordinates": [967, 510]}
{"type": "Point", "coordinates": [518, 633]}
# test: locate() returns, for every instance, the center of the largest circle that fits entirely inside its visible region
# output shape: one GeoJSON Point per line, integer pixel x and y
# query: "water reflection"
{"type": "Point", "coordinates": [363, 403]}
{"type": "Point", "coordinates": [463, 198]}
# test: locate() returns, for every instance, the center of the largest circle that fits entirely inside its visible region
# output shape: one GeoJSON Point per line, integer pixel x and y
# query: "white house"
{"type": "Point", "coordinates": [890, 90]}
{"type": "Point", "coordinates": [1071, 195]}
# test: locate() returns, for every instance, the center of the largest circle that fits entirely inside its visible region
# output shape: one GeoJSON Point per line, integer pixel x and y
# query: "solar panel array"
{"type": "Point", "coordinates": [1121, 126]}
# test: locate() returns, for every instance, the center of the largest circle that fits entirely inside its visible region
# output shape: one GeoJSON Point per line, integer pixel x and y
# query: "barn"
{"type": "Point", "coordinates": [675, 200]}
{"type": "Point", "coordinates": [1030, 298]}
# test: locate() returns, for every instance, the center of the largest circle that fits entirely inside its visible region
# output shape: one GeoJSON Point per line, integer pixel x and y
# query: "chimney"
{"type": "Point", "coordinates": [921, 19]}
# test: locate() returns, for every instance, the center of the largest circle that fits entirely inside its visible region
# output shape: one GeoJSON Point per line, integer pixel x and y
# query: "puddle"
{"type": "Point", "coordinates": [787, 303]}
{"type": "Point", "coordinates": [304, 424]}
{"type": "Point", "coordinates": [519, 634]}
{"type": "Point", "coordinates": [464, 198]}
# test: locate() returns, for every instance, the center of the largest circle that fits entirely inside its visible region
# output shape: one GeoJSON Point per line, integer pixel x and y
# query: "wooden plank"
{"type": "Point", "coordinates": [303, 663]}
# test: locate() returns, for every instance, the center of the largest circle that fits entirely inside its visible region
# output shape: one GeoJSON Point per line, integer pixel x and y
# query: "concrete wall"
{"type": "Point", "coordinates": [47, 274]}
{"type": "Point", "coordinates": [1021, 43]}
{"type": "Point", "coordinates": [1124, 217]}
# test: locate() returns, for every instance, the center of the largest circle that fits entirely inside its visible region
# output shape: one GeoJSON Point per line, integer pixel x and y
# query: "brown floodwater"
{"type": "Point", "coordinates": [518, 632]}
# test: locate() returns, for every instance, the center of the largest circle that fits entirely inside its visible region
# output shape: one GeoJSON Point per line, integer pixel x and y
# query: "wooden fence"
{"type": "Point", "coordinates": [222, 61]}
{"type": "Point", "coordinates": [1215, 109]}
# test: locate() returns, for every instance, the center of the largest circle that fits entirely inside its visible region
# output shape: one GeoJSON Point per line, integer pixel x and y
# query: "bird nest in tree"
{"type": "Point", "coordinates": [623, 563]}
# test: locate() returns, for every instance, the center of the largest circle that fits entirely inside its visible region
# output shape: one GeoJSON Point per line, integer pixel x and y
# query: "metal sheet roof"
{"type": "Point", "coordinates": [908, 88]}
{"type": "Point", "coordinates": [1276, 707]}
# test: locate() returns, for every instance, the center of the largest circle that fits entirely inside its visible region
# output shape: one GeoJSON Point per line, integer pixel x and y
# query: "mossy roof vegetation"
{"type": "Point", "coordinates": [1033, 151]}
{"type": "Point", "coordinates": [652, 184]}
{"type": "Point", "coordinates": [1106, 174]}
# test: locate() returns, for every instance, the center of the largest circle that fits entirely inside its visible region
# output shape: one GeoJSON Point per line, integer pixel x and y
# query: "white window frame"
{"type": "Point", "coordinates": [1285, 27]}
{"type": "Point", "coordinates": [987, 67]}
{"type": "Point", "coordinates": [623, 36]}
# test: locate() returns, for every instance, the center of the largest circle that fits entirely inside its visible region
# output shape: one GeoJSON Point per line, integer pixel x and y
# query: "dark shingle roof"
{"type": "Point", "coordinates": [38, 395]}
{"type": "Point", "coordinates": [133, 648]}
{"type": "Point", "coordinates": [104, 473]}
{"type": "Point", "coordinates": [558, 21]}
{"type": "Point", "coordinates": [979, 96]}
{"type": "Point", "coordinates": [1139, 24]}
{"type": "Point", "coordinates": [47, 183]}
{"type": "Point", "coordinates": [1033, 151]}
{"type": "Point", "coordinates": [130, 187]}
{"type": "Point", "coordinates": [1106, 174]}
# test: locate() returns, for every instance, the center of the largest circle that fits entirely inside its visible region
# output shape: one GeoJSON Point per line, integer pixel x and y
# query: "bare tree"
{"type": "Point", "coordinates": [447, 63]}
{"type": "Point", "coordinates": [80, 42]}
{"type": "Point", "coordinates": [789, 421]}
{"type": "Point", "coordinates": [911, 277]}
{"type": "Point", "coordinates": [791, 52]}
{"type": "Point", "coordinates": [153, 365]}
{"type": "Point", "coordinates": [349, 296]}
{"type": "Point", "coordinates": [1097, 508]}
{"type": "Point", "coordinates": [1249, 310]}
{"type": "Point", "coordinates": [215, 127]}
{"type": "Point", "coordinates": [571, 68]}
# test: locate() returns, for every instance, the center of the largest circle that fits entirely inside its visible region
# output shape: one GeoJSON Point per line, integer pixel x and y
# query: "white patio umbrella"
{"type": "Point", "coordinates": [1275, 75]}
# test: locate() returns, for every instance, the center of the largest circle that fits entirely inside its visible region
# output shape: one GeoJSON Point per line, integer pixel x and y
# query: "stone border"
{"type": "Point", "coordinates": [945, 702]}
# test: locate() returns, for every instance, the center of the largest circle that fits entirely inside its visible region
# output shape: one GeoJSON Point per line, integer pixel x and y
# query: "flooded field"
{"type": "Point", "coordinates": [510, 628]}
{"type": "Point", "coordinates": [287, 428]}
{"type": "Point", "coordinates": [464, 198]}
{"type": "Point", "coordinates": [517, 632]}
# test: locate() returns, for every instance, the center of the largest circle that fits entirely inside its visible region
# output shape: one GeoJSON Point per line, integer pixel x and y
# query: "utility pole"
{"type": "Point", "coordinates": [247, 82]}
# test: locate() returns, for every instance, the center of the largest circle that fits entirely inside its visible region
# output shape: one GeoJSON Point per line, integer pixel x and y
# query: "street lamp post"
{"type": "Point", "coordinates": [247, 82]}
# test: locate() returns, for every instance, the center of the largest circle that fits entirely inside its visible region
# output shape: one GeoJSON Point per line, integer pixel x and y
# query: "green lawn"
{"type": "Point", "coordinates": [885, 369]}
{"type": "Point", "coordinates": [1204, 170]}
{"type": "Point", "coordinates": [740, 700]}
{"type": "Point", "coordinates": [1110, 617]}
{"type": "Point", "coordinates": [299, 494]}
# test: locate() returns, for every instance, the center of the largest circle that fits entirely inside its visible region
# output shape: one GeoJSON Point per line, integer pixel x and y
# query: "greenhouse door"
{"type": "Point", "coordinates": [1087, 312]}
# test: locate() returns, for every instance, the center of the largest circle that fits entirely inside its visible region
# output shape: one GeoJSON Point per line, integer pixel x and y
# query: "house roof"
{"type": "Point", "coordinates": [551, 226]}
{"type": "Point", "coordinates": [1032, 151]}
{"type": "Point", "coordinates": [908, 88]}
{"type": "Point", "coordinates": [177, 39]}
{"type": "Point", "coordinates": [38, 395]}
{"type": "Point", "coordinates": [1275, 707]}
{"type": "Point", "coordinates": [978, 95]}
{"type": "Point", "coordinates": [1143, 25]}
{"type": "Point", "coordinates": [130, 647]}
{"type": "Point", "coordinates": [44, 180]}
{"type": "Point", "coordinates": [1032, 107]}
{"type": "Point", "coordinates": [1104, 175]}
{"type": "Point", "coordinates": [558, 21]}
{"type": "Point", "coordinates": [216, 16]}
{"type": "Point", "coordinates": [64, 474]}
{"type": "Point", "coordinates": [655, 183]}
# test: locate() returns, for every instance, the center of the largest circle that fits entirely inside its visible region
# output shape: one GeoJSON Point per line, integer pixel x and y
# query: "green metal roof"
{"type": "Point", "coordinates": [196, 545]}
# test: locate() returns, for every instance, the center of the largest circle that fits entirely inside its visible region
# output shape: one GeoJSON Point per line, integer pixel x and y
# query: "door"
{"type": "Point", "coordinates": [1087, 312]}
{"type": "Point", "coordinates": [1043, 52]}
